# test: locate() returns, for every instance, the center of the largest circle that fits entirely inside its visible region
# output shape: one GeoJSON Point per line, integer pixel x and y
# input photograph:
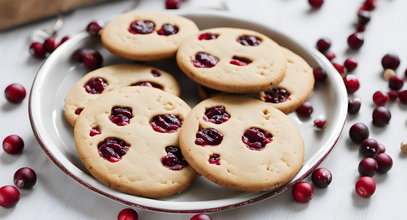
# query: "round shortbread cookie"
{"type": "Point", "coordinates": [241, 143]}
{"type": "Point", "coordinates": [296, 86]}
{"type": "Point", "coordinates": [232, 60]}
{"type": "Point", "coordinates": [107, 78]}
{"type": "Point", "coordinates": [146, 36]}
{"type": "Point", "coordinates": [128, 140]}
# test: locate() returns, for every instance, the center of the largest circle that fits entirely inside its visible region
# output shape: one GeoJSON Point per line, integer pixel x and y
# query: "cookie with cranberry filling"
{"type": "Point", "coordinates": [107, 78]}
{"type": "Point", "coordinates": [241, 143]}
{"type": "Point", "coordinates": [232, 60]}
{"type": "Point", "coordinates": [146, 36]}
{"type": "Point", "coordinates": [128, 140]}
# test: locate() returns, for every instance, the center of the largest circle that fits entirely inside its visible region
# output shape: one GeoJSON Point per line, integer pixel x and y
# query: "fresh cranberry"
{"type": "Point", "coordinates": [155, 73]}
{"type": "Point", "coordinates": [368, 5]}
{"type": "Point", "coordinates": [201, 216]}
{"type": "Point", "coordinates": [50, 44]}
{"type": "Point", "coordinates": [365, 186]}
{"type": "Point", "coordinates": [384, 161]}
{"type": "Point", "coordinates": [240, 61]}
{"type": "Point", "coordinates": [368, 167]}
{"type": "Point", "coordinates": [9, 196]}
{"type": "Point", "coordinates": [302, 192]}
{"type": "Point", "coordinates": [79, 54]}
{"type": "Point", "coordinates": [166, 123]}
{"type": "Point", "coordinates": [208, 36]}
{"type": "Point", "coordinates": [94, 131]}
{"type": "Point", "coordinates": [64, 39]}
{"type": "Point", "coordinates": [93, 28]}
{"type": "Point", "coordinates": [380, 98]}
{"type": "Point", "coordinates": [256, 138]}
{"type": "Point", "coordinates": [305, 110]}
{"type": "Point", "coordinates": [249, 40]}
{"type": "Point", "coordinates": [78, 111]}
{"type": "Point", "coordinates": [369, 147]}
{"type": "Point", "coordinates": [214, 159]}
{"type": "Point", "coordinates": [319, 74]}
{"type": "Point", "coordinates": [358, 132]}
{"type": "Point", "coordinates": [174, 159]}
{"type": "Point", "coordinates": [396, 82]}
{"type": "Point", "coordinates": [25, 178]}
{"type": "Point", "coordinates": [127, 214]}
{"type": "Point", "coordinates": [354, 105]}
{"type": "Point", "coordinates": [92, 60]}
{"type": "Point", "coordinates": [37, 50]}
{"type": "Point", "coordinates": [390, 61]}
{"type": "Point", "coordinates": [356, 40]}
{"type": "Point", "coordinates": [403, 96]}
{"type": "Point", "coordinates": [361, 28]}
{"type": "Point", "coordinates": [319, 123]}
{"type": "Point", "coordinates": [15, 93]}
{"type": "Point", "coordinates": [121, 115]}
{"type": "Point", "coordinates": [208, 136]}
{"type": "Point", "coordinates": [405, 73]}
{"type": "Point", "coordinates": [363, 17]}
{"type": "Point", "coordinates": [382, 148]}
{"type": "Point", "coordinates": [172, 4]}
{"type": "Point", "coordinates": [393, 95]}
{"type": "Point", "coordinates": [113, 149]}
{"type": "Point", "coordinates": [142, 27]}
{"type": "Point", "coordinates": [95, 85]}
{"type": "Point", "coordinates": [351, 83]}
{"type": "Point", "coordinates": [204, 60]}
{"type": "Point", "coordinates": [216, 115]}
{"type": "Point", "coordinates": [329, 55]}
{"type": "Point", "coordinates": [316, 4]}
{"type": "Point", "coordinates": [323, 44]}
{"type": "Point", "coordinates": [148, 84]}
{"type": "Point", "coordinates": [339, 68]}
{"type": "Point", "coordinates": [381, 116]}
{"type": "Point", "coordinates": [351, 64]}
{"type": "Point", "coordinates": [13, 144]}
{"type": "Point", "coordinates": [276, 95]}
{"type": "Point", "coordinates": [167, 29]}
{"type": "Point", "coordinates": [321, 177]}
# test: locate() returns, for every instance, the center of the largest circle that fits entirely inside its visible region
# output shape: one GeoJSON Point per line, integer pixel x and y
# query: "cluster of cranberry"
{"type": "Point", "coordinates": [40, 50]}
{"type": "Point", "coordinates": [356, 40]}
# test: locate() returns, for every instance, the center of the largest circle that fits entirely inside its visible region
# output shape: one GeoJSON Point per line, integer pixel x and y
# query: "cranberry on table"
{"type": "Point", "coordinates": [302, 192]}
{"type": "Point", "coordinates": [319, 123]}
{"type": "Point", "coordinates": [361, 28]}
{"type": "Point", "coordinates": [316, 4]}
{"type": "Point", "coordinates": [339, 68]}
{"type": "Point", "coordinates": [172, 4]}
{"type": "Point", "coordinates": [396, 82]}
{"type": "Point", "coordinates": [305, 110]}
{"type": "Point", "coordinates": [351, 83]}
{"type": "Point", "coordinates": [368, 5]}
{"type": "Point", "coordinates": [356, 40]}
{"type": "Point", "coordinates": [354, 105]}
{"type": "Point", "coordinates": [93, 28]}
{"type": "Point", "coordinates": [15, 93]}
{"type": "Point", "coordinates": [393, 95]}
{"type": "Point", "coordinates": [358, 132]}
{"type": "Point", "coordinates": [9, 196]}
{"type": "Point", "coordinates": [365, 186]}
{"type": "Point", "coordinates": [380, 98]}
{"type": "Point", "coordinates": [369, 148]}
{"type": "Point", "coordinates": [319, 74]}
{"type": "Point", "coordinates": [127, 214]}
{"type": "Point", "coordinates": [384, 161]}
{"type": "Point", "coordinates": [381, 116]}
{"type": "Point", "coordinates": [37, 50]}
{"type": "Point", "coordinates": [321, 177]}
{"type": "Point", "coordinates": [363, 17]}
{"type": "Point", "coordinates": [390, 61]}
{"type": "Point", "coordinates": [323, 44]}
{"type": "Point", "coordinates": [13, 144]}
{"type": "Point", "coordinates": [382, 148]}
{"type": "Point", "coordinates": [201, 216]}
{"type": "Point", "coordinates": [50, 44]}
{"type": "Point", "coordinates": [351, 64]}
{"type": "Point", "coordinates": [368, 167]}
{"type": "Point", "coordinates": [403, 96]}
{"type": "Point", "coordinates": [25, 178]}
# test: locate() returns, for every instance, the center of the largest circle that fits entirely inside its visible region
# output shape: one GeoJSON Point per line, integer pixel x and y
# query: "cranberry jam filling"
{"type": "Point", "coordinates": [113, 149]}
{"type": "Point", "coordinates": [155, 73]}
{"type": "Point", "coordinates": [148, 84]}
{"type": "Point", "coordinates": [167, 29]}
{"type": "Point", "coordinates": [204, 60]}
{"type": "Point", "coordinates": [208, 136]}
{"type": "Point", "coordinates": [95, 85]}
{"type": "Point", "coordinates": [208, 36]}
{"type": "Point", "coordinates": [249, 40]}
{"type": "Point", "coordinates": [276, 95]}
{"type": "Point", "coordinates": [216, 115]}
{"type": "Point", "coordinates": [121, 115]}
{"type": "Point", "coordinates": [174, 159]}
{"type": "Point", "coordinates": [214, 159]}
{"type": "Point", "coordinates": [78, 111]}
{"type": "Point", "coordinates": [240, 61]}
{"type": "Point", "coordinates": [256, 138]}
{"type": "Point", "coordinates": [95, 131]}
{"type": "Point", "coordinates": [142, 27]}
{"type": "Point", "coordinates": [166, 123]}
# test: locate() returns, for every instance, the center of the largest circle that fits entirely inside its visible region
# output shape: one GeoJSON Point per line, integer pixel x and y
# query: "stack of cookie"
{"type": "Point", "coordinates": [134, 134]}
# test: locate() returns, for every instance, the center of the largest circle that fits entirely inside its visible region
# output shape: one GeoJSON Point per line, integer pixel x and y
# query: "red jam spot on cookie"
{"type": "Point", "coordinates": [214, 159]}
{"type": "Point", "coordinates": [78, 111]}
{"type": "Point", "coordinates": [249, 40]}
{"type": "Point", "coordinates": [95, 85]}
{"type": "Point", "coordinates": [276, 95]}
{"type": "Point", "coordinates": [155, 73]}
{"type": "Point", "coordinates": [166, 123]}
{"type": "Point", "coordinates": [208, 36]}
{"type": "Point", "coordinates": [148, 84]}
{"type": "Point", "coordinates": [216, 115]}
{"type": "Point", "coordinates": [167, 29]}
{"type": "Point", "coordinates": [204, 60]}
{"type": "Point", "coordinates": [256, 138]}
{"type": "Point", "coordinates": [240, 61]}
{"type": "Point", "coordinates": [95, 131]}
{"type": "Point", "coordinates": [113, 149]}
{"type": "Point", "coordinates": [121, 115]}
{"type": "Point", "coordinates": [142, 27]}
{"type": "Point", "coordinates": [174, 159]}
{"type": "Point", "coordinates": [208, 136]}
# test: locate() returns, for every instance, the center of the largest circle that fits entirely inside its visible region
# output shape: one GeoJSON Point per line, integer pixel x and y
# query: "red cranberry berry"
{"type": "Point", "coordinates": [95, 131]}
{"type": "Point", "coordinates": [339, 68]}
{"type": "Point", "coordinates": [92, 60]}
{"type": "Point", "coordinates": [323, 44]}
{"type": "Point", "coordinates": [25, 178]}
{"type": "Point", "coordinates": [201, 216]}
{"type": "Point", "coordinates": [276, 95]}
{"type": "Point", "coordinates": [369, 148]}
{"type": "Point", "coordinates": [93, 28]}
{"type": "Point", "coordinates": [319, 123]}
{"type": "Point", "coordinates": [368, 5]}
{"type": "Point", "coordinates": [78, 111]}
{"type": "Point", "coordinates": [121, 115]}
{"type": "Point", "coordinates": [384, 161]}
{"type": "Point", "coordinates": [249, 40]}
{"type": "Point", "coordinates": [155, 73]}
{"type": "Point", "coordinates": [368, 167]}
{"type": "Point", "coordinates": [380, 98]}
{"type": "Point", "coordinates": [381, 116]}
{"type": "Point", "coordinates": [148, 84]}
{"type": "Point", "coordinates": [64, 39]}
{"type": "Point", "coordinates": [405, 73]}
{"type": "Point", "coordinates": [142, 27]}
{"type": "Point", "coordinates": [393, 95]}
{"type": "Point", "coordinates": [351, 64]}
{"type": "Point", "coordinates": [174, 159]}
{"type": "Point", "coordinates": [167, 29]}
{"type": "Point", "coordinates": [208, 36]}
{"type": "Point", "coordinates": [37, 50]}
{"type": "Point", "coordinates": [78, 54]}
{"type": "Point", "coordinates": [321, 177]}
{"type": "Point", "coordinates": [256, 138]}
{"type": "Point", "coordinates": [15, 93]}
{"type": "Point", "coordinates": [358, 132]}
{"type": "Point", "coordinates": [302, 192]}
{"type": "Point", "coordinates": [204, 60]}
{"type": "Point", "coordinates": [9, 196]}
{"type": "Point", "coordinates": [113, 149]}
{"type": "Point", "coordinates": [13, 144]}
{"type": "Point", "coordinates": [354, 105]}
{"type": "Point", "coordinates": [208, 136]}
{"type": "Point", "coordinates": [319, 74]}
{"type": "Point", "coordinates": [127, 214]}
{"type": "Point", "coordinates": [329, 55]}
{"type": "Point", "coordinates": [50, 44]}
{"type": "Point", "coordinates": [172, 4]}
{"type": "Point", "coordinates": [316, 4]}
{"type": "Point", "coordinates": [305, 110]}
{"type": "Point", "coordinates": [216, 115]}
{"type": "Point", "coordinates": [240, 61]}
{"type": "Point", "coordinates": [356, 40]}
{"type": "Point", "coordinates": [390, 61]}
{"type": "Point", "coordinates": [95, 85]}
{"type": "Point", "coordinates": [403, 96]}
{"type": "Point", "coordinates": [365, 186]}
{"type": "Point", "coordinates": [396, 82]}
{"type": "Point", "coordinates": [363, 17]}
{"type": "Point", "coordinates": [214, 159]}
{"type": "Point", "coordinates": [361, 28]}
{"type": "Point", "coordinates": [351, 83]}
{"type": "Point", "coordinates": [382, 148]}
{"type": "Point", "coordinates": [168, 123]}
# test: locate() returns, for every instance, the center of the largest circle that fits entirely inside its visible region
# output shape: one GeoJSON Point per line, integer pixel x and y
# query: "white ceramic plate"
{"type": "Point", "coordinates": [55, 135]}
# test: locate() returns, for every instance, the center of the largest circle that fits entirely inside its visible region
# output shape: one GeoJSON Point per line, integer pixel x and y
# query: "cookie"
{"type": "Point", "coordinates": [232, 60]}
{"type": "Point", "coordinates": [146, 36]}
{"type": "Point", "coordinates": [107, 78]}
{"type": "Point", "coordinates": [128, 140]}
{"type": "Point", "coordinates": [241, 143]}
{"type": "Point", "coordinates": [295, 88]}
